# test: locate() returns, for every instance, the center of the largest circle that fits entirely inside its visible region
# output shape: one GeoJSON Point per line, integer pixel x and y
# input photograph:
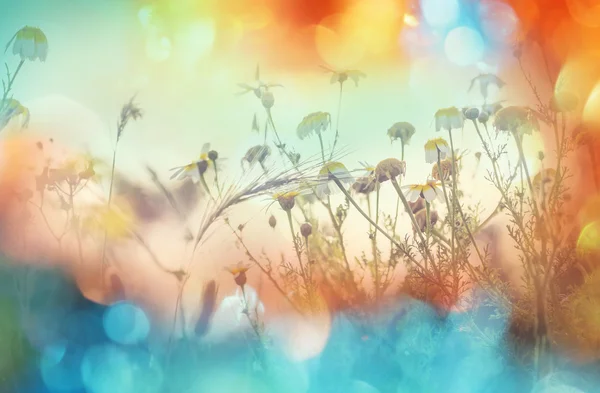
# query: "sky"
{"type": "Point", "coordinates": [183, 60]}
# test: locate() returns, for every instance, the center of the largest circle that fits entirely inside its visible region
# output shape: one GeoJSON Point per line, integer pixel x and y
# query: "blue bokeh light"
{"type": "Point", "coordinates": [107, 369]}
{"type": "Point", "coordinates": [464, 46]}
{"type": "Point", "coordinates": [440, 13]}
{"type": "Point", "coordinates": [125, 323]}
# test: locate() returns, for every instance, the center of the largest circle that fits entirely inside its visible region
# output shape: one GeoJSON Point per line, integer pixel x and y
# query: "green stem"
{"type": "Point", "coordinates": [305, 278]}
{"type": "Point", "coordinates": [337, 122]}
{"type": "Point", "coordinates": [216, 177]}
{"type": "Point", "coordinates": [110, 193]}
{"type": "Point", "coordinates": [8, 87]}
{"type": "Point", "coordinates": [454, 198]}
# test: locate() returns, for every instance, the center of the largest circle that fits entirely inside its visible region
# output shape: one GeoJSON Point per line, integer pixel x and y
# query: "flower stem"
{"type": "Point", "coordinates": [110, 193]}
{"type": "Point", "coordinates": [305, 277]}
{"type": "Point", "coordinates": [337, 122]}
{"type": "Point", "coordinates": [8, 87]}
{"type": "Point", "coordinates": [216, 177]}
{"type": "Point", "coordinates": [375, 256]}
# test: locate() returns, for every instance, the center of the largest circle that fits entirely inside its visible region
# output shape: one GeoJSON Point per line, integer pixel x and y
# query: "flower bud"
{"type": "Point", "coordinates": [306, 229]}
{"type": "Point", "coordinates": [471, 113]}
{"type": "Point", "coordinates": [272, 221]}
{"type": "Point", "coordinates": [213, 155]}
{"type": "Point", "coordinates": [483, 117]}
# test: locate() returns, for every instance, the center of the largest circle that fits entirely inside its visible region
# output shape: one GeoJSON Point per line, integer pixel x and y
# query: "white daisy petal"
{"type": "Point", "coordinates": [429, 194]}
{"type": "Point", "coordinates": [413, 195]}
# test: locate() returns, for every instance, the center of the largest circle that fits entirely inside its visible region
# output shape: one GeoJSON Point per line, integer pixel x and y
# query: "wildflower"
{"type": "Point", "coordinates": [563, 101]}
{"type": "Point", "coordinates": [447, 170]}
{"type": "Point", "coordinates": [517, 120]}
{"type": "Point", "coordinates": [326, 175]}
{"type": "Point", "coordinates": [471, 113]}
{"type": "Point", "coordinates": [448, 119]}
{"type": "Point", "coordinates": [485, 80]}
{"type": "Point", "coordinates": [30, 43]}
{"type": "Point", "coordinates": [260, 88]}
{"type": "Point", "coordinates": [306, 229]}
{"type": "Point", "coordinates": [364, 185]}
{"type": "Point", "coordinates": [239, 273]}
{"type": "Point", "coordinates": [421, 218]}
{"type": "Point", "coordinates": [316, 122]}
{"type": "Point", "coordinates": [436, 146]}
{"type": "Point", "coordinates": [11, 109]}
{"type": "Point", "coordinates": [401, 130]}
{"type": "Point", "coordinates": [272, 221]}
{"type": "Point", "coordinates": [429, 191]}
{"type": "Point", "coordinates": [213, 155]}
{"type": "Point", "coordinates": [258, 153]}
{"type": "Point", "coordinates": [343, 75]}
{"type": "Point", "coordinates": [195, 169]}
{"type": "Point", "coordinates": [287, 200]}
{"type": "Point", "coordinates": [389, 169]}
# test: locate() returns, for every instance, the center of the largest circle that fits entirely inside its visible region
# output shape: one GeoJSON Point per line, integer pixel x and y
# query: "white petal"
{"type": "Point", "coordinates": [413, 195]}
{"type": "Point", "coordinates": [430, 156]}
{"type": "Point", "coordinates": [42, 50]}
{"type": "Point", "coordinates": [28, 49]}
{"type": "Point", "coordinates": [17, 47]}
{"type": "Point", "coordinates": [429, 194]}
{"type": "Point", "coordinates": [322, 190]}
{"type": "Point", "coordinates": [457, 122]}
{"type": "Point", "coordinates": [439, 123]}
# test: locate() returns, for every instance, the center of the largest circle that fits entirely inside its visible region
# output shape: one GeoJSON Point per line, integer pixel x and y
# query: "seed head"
{"type": "Point", "coordinates": [272, 221]}
{"type": "Point", "coordinates": [389, 168]}
{"type": "Point", "coordinates": [213, 155]}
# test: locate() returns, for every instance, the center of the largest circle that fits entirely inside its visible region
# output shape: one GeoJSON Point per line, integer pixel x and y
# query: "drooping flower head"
{"type": "Point", "coordinates": [364, 185]}
{"type": "Point", "coordinates": [389, 169]}
{"type": "Point", "coordinates": [195, 169]}
{"type": "Point", "coordinates": [403, 131]}
{"type": "Point", "coordinates": [436, 146]}
{"type": "Point", "coordinates": [329, 171]}
{"type": "Point", "coordinates": [429, 191]}
{"type": "Point", "coordinates": [517, 120]}
{"type": "Point", "coordinates": [341, 76]}
{"type": "Point", "coordinates": [239, 273]}
{"type": "Point", "coordinates": [30, 43]}
{"type": "Point", "coordinates": [313, 123]}
{"type": "Point", "coordinates": [12, 109]}
{"type": "Point", "coordinates": [484, 81]}
{"type": "Point", "coordinates": [287, 200]}
{"type": "Point", "coordinates": [258, 153]}
{"type": "Point", "coordinates": [449, 119]}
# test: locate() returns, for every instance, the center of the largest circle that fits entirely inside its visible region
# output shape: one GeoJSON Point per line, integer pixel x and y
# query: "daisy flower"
{"type": "Point", "coordinates": [449, 119]}
{"type": "Point", "coordinates": [259, 88]}
{"type": "Point", "coordinates": [195, 169]}
{"type": "Point", "coordinates": [484, 81]}
{"type": "Point", "coordinates": [436, 146]}
{"type": "Point", "coordinates": [287, 200]}
{"type": "Point", "coordinates": [326, 185]}
{"type": "Point", "coordinates": [517, 120]}
{"type": "Point", "coordinates": [364, 185]}
{"type": "Point", "coordinates": [429, 191]}
{"type": "Point", "coordinates": [258, 153]}
{"type": "Point", "coordinates": [239, 272]}
{"type": "Point", "coordinates": [401, 130]}
{"type": "Point", "coordinates": [315, 122]}
{"type": "Point", "coordinates": [367, 168]}
{"type": "Point", "coordinates": [11, 109]}
{"type": "Point", "coordinates": [341, 76]}
{"type": "Point", "coordinates": [30, 43]}
{"type": "Point", "coordinates": [389, 169]}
